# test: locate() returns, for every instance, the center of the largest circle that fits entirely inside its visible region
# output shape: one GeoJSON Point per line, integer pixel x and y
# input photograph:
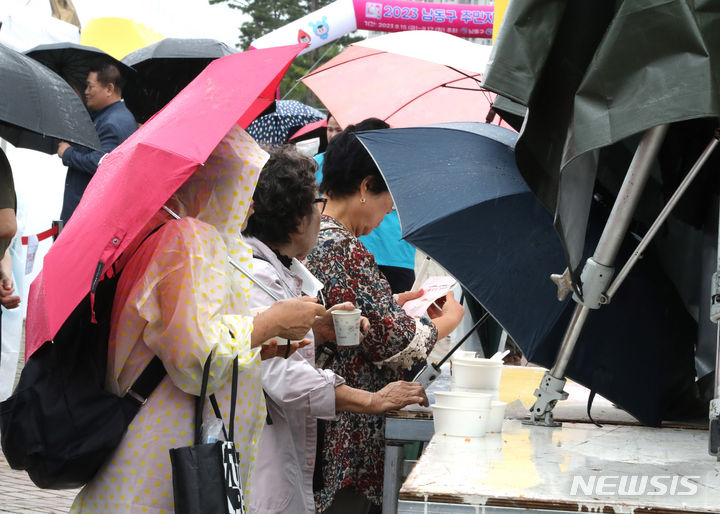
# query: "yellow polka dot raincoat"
{"type": "Point", "coordinates": [178, 298]}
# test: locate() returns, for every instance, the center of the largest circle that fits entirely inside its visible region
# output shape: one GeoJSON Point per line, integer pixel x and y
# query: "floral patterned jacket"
{"type": "Point", "coordinates": [352, 447]}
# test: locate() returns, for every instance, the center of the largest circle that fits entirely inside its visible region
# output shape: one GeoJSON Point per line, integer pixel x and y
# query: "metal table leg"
{"type": "Point", "coordinates": [394, 456]}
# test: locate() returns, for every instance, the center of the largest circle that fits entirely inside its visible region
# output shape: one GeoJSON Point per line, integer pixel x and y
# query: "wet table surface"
{"type": "Point", "coordinates": [535, 468]}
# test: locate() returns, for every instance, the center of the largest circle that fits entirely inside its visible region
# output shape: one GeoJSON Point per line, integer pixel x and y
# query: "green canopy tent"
{"type": "Point", "coordinates": [595, 77]}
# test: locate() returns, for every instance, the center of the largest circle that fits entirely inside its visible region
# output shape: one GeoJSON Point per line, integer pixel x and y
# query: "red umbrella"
{"type": "Point", "coordinates": [138, 177]}
{"type": "Point", "coordinates": [407, 79]}
{"type": "Point", "coordinates": [310, 130]}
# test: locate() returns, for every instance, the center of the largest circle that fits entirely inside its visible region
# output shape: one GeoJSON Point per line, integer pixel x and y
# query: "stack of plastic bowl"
{"type": "Point", "coordinates": [471, 407]}
{"type": "Point", "coordinates": [461, 413]}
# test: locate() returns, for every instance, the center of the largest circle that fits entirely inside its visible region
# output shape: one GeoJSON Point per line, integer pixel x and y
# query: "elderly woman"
{"type": "Point", "coordinates": [357, 200]}
{"type": "Point", "coordinates": [282, 230]}
{"type": "Point", "coordinates": [178, 299]}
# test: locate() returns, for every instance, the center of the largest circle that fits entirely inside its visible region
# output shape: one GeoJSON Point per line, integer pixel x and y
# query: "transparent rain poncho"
{"type": "Point", "coordinates": [179, 299]}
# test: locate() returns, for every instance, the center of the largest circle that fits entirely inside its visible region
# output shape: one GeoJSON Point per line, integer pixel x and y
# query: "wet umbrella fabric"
{"type": "Point", "coordinates": [164, 69]}
{"type": "Point", "coordinates": [275, 128]}
{"type": "Point", "coordinates": [592, 74]}
{"type": "Point", "coordinates": [461, 200]}
{"type": "Point", "coordinates": [38, 108]}
{"type": "Point", "coordinates": [73, 61]}
{"type": "Point", "coordinates": [406, 79]}
{"type": "Point", "coordinates": [136, 178]}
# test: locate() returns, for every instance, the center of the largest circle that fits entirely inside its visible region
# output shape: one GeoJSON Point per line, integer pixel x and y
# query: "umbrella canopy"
{"type": "Point", "coordinates": [462, 201]}
{"type": "Point", "coordinates": [136, 178]}
{"type": "Point", "coordinates": [592, 74]}
{"type": "Point", "coordinates": [73, 61]}
{"type": "Point", "coordinates": [310, 130]}
{"type": "Point", "coordinates": [38, 108]}
{"type": "Point", "coordinates": [316, 129]}
{"type": "Point", "coordinates": [117, 36]}
{"type": "Point", "coordinates": [164, 69]}
{"type": "Point", "coordinates": [287, 116]}
{"type": "Point", "coordinates": [406, 78]}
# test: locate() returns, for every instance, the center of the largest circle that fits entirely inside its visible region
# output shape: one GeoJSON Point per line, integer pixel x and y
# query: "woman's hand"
{"type": "Point", "coordinates": [288, 319]}
{"type": "Point", "coordinates": [397, 395]}
{"type": "Point", "coordinates": [401, 298]}
{"type": "Point", "coordinates": [447, 318]}
{"type": "Point", "coordinates": [324, 328]}
{"type": "Point", "coordinates": [272, 349]}
{"type": "Point", "coordinates": [393, 396]}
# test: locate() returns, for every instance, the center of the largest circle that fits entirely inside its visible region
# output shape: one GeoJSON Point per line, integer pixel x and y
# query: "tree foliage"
{"type": "Point", "coordinates": [268, 15]}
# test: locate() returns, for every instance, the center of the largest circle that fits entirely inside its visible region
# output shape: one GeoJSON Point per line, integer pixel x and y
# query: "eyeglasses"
{"type": "Point", "coordinates": [322, 202]}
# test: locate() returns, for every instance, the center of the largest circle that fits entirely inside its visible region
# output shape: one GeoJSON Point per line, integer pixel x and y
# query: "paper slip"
{"type": "Point", "coordinates": [433, 288]}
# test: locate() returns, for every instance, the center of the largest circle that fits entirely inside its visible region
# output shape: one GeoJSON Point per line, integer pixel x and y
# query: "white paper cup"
{"type": "Point", "coordinates": [497, 415]}
{"type": "Point", "coordinates": [347, 327]}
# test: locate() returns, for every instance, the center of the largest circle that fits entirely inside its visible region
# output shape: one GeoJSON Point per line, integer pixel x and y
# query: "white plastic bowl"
{"type": "Point", "coordinates": [469, 358]}
{"type": "Point", "coordinates": [460, 422]}
{"type": "Point", "coordinates": [497, 416]}
{"type": "Point", "coordinates": [463, 399]}
{"type": "Point", "coordinates": [471, 375]}
{"type": "Point", "coordinates": [494, 393]}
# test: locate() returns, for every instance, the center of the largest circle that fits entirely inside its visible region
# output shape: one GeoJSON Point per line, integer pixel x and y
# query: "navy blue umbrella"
{"type": "Point", "coordinates": [286, 118]}
{"type": "Point", "coordinates": [462, 201]}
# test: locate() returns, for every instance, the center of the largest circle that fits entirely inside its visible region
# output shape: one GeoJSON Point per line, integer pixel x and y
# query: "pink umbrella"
{"type": "Point", "coordinates": [310, 130]}
{"type": "Point", "coordinates": [138, 177]}
{"type": "Point", "coordinates": [407, 79]}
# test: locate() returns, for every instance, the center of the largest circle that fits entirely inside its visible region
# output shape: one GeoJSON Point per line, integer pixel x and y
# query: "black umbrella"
{"type": "Point", "coordinates": [164, 69]}
{"type": "Point", "coordinates": [73, 61]}
{"type": "Point", "coordinates": [462, 201]}
{"type": "Point", "coordinates": [38, 108]}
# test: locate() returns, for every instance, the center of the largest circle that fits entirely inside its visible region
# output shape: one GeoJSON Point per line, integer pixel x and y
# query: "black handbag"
{"type": "Point", "coordinates": [206, 477]}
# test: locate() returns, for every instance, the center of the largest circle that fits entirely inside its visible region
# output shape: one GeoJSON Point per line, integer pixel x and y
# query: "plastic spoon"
{"type": "Point", "coordinates": [499, 356]}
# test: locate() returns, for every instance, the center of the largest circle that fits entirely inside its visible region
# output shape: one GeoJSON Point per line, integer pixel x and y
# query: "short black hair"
{"type": "Point", "coordinates": [347, 162]}
{"type": "Point", "coordinates": [108, 73]}
{"type": "Point", "coordinates": [283, 196]}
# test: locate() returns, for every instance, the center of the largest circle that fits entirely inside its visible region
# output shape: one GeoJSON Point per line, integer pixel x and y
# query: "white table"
{"type": "Point", "coordinates": [532, 468]}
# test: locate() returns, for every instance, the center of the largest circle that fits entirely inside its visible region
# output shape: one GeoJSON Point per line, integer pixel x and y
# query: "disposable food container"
{"type": "Point", "coordinates": [497, 416]}
{"type": "Point", "coordinates": [476, 373]}
{"type": "Point", "coordinates": [460, 422]}
{"type": "Point", "coordinates": [463, 399]}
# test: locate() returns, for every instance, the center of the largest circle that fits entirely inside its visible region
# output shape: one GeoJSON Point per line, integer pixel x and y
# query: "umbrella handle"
{"type": "Point", "coordinates": [420, 274]}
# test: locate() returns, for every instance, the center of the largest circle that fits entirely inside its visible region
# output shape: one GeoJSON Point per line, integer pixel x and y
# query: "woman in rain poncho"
{"type": "Point", "coordinates": [177, 298]}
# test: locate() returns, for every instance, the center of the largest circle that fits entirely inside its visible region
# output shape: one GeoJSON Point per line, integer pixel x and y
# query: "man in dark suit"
{"type": "Point", "coordinates": [113, 122]}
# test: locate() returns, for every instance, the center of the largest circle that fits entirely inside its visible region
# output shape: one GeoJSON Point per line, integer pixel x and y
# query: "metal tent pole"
{"type": "Point", "coordinates": [714, 414]}
{"type": "Point", "coordinates": [598, 272]}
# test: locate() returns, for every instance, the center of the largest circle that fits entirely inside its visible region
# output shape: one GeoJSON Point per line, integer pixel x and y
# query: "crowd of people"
{"type": "Point", "coordinates": [308, 431]}
{"type": "Point", "coordinates": [309, 437]}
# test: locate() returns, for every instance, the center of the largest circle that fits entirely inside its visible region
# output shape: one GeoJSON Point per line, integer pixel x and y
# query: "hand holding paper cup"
{"type": "Point", "coordinates": [347, 327]}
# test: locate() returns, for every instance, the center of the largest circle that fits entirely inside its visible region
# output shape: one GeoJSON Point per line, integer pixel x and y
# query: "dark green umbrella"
{"type": "Point", "coordinates": [594, 77]}
{"type": "Point", "coordinates": [594, 73]}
